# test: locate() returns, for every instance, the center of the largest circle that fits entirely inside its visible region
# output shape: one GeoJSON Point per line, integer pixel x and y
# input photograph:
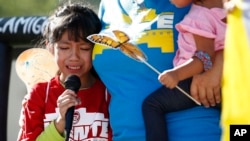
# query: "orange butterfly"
{"type": "Point", "coordinates": [121, 41]}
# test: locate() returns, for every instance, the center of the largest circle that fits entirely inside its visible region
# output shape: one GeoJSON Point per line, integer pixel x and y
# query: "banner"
{"type": "Point", "coordinates": [21, 30]}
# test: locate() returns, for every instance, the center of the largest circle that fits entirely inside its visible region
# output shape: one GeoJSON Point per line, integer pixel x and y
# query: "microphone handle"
{"type": "Point", "coordinates": [69, 120]}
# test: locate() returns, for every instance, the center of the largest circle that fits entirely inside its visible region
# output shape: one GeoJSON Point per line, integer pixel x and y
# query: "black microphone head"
{"type": "Point", "coordinates": [72, 82]}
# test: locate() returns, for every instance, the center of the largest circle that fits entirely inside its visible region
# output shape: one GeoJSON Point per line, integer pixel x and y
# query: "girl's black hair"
{"type": "Point", "coordinates": [78, 19]}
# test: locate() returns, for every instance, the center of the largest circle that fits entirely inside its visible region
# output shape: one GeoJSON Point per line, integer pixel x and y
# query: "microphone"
{"type": "Point", "coordinates": [73, 83]}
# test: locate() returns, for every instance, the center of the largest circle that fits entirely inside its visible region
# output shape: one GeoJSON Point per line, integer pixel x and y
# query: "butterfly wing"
{"type": "Point", "coordinates": [103, 40]}
{"type": "Point", "coordinates": [121, 36]}
{"type": "Point", "coordinates": [133, 51]}
{"type": "Point", "coordinates": [35, 65]}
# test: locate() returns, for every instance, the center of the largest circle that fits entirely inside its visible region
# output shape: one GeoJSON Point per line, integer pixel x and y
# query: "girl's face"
{"type": "Point", "coordinates": [181, 3]}
{"type": "Point", "coordinates": [73, 57]}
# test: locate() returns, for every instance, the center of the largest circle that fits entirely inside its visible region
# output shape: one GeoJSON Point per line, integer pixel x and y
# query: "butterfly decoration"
{"type": "Point", "coordinates": [121, 41]}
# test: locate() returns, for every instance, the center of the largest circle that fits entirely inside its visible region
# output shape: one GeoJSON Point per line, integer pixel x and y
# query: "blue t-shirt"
{"type": "Point", "coordinates": [152, 30]}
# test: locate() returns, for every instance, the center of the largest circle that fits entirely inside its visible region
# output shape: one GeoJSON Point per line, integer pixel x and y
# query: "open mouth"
{"type": "Point", "coordinates": [73, 67]}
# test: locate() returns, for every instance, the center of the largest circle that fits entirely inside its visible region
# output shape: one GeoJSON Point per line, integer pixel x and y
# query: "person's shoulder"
{"type": "Point", "coordinates": [43, 84]}
{"type": "Point", "coordinates": [197, 10]}
{"type": "Point", "coordinates": [200, 11]}
{"type": "Point", "coordinates": [40, 88]}
{"type": "Point", "coordinates": [99, 83]}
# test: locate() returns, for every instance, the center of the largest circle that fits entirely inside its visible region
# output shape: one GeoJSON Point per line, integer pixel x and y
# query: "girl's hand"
{"type": "Point", "coordinates": [66, 100]}
{"type": "Point", "coordinates": [169, 78]}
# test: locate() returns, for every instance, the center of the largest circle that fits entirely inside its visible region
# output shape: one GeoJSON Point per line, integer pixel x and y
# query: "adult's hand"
{"type": "Point", "coordinates": [206, 87]}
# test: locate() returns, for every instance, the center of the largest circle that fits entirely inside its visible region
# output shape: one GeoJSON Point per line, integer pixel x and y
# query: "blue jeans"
{"type": "Point", "coordinates": [160, 102]}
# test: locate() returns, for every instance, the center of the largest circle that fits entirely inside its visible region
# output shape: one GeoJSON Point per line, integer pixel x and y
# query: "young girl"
{"type": "Point", "coordinates": [201, 35]}
{"type": "Point", "coordinates": [44, 108]}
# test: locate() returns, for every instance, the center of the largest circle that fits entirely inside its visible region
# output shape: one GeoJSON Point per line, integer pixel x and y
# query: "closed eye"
{"type": "Point", "coordinates": [86, 49]}
{"type": "Point", "coordinates": [63, 47]}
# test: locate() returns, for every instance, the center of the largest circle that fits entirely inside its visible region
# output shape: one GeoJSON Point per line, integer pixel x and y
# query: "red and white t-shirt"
{"type": "Point", "coordinates": [91, 118]}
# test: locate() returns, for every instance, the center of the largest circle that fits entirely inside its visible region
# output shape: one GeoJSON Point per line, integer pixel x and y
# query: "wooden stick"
{"type": "Point", "coordinates": [180, 89]}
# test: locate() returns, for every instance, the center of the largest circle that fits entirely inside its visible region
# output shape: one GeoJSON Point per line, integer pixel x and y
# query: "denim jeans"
{"type": "Point", "coordinates": [161, 102]}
